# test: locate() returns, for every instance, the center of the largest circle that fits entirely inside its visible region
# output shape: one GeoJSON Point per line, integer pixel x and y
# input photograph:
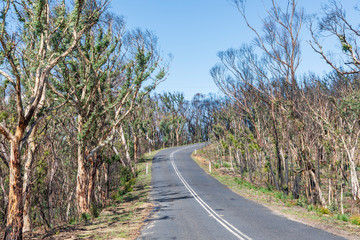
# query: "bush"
{"type": "Point", "coordinates": [281, 196]}
{"type": "Point", "coordinates": [310, 208]}
{"type": "Point", "coordinates": [127, 181]}
{"type": "Point", "coordinates": [117, 197]}
{"type": "Point", "coordinates": [301, 202]}
{"type": "Point", "coordinates": [342, 217]}
{"type": "Point", "coordinates": [355, 219]}
{"type": "Point", "coordinates": [323, 210]}
{"type": "Point", "coordinates": [226, 165]}
{"type": "Point", "coordinates": [72, 221]}
{"type": "Point", "coordinates": [85, 217]}
{"type": "Point", "coordinates": [94, 210]}
{"type": "Point", "coordinates": [333, 207]}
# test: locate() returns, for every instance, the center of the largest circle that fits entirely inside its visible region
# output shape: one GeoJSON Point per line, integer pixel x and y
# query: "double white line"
{"type": "Point", "coordinates": [236, 232]}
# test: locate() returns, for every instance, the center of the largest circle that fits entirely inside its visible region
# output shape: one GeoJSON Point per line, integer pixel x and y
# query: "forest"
{"type": "Point", "coordinates": [78, 107]}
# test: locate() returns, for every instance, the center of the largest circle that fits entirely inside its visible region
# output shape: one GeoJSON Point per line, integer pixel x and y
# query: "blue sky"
{"type": "Point", "coordinates": [193, 31]}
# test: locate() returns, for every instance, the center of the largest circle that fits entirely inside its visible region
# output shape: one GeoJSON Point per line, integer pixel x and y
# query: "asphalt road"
{"type": "Point", "coordinates": [190, 204]}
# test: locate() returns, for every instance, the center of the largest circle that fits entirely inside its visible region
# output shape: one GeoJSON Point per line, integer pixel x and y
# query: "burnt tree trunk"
{"type": "Point", "coordinates": [14, 222]}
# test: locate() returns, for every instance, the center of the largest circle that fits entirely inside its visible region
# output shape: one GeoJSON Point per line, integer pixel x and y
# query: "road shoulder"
{"type": "Point", "coordinates": [278, 206]}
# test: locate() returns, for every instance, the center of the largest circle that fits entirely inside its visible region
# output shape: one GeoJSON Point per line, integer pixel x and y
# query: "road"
{"type": "Point", "coordinates": [190, 204]}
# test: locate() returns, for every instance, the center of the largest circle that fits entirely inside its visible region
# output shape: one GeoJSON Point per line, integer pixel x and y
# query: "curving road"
{"type": "Point", "coordinates": [190, 204]}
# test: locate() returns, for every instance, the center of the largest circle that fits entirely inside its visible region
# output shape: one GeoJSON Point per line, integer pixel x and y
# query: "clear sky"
{"type": "Point", "coordinates": [193, 31]}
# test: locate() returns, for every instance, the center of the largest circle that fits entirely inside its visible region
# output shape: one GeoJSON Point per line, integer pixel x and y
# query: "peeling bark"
{"type": "Point", "coordinates": [14, 223]}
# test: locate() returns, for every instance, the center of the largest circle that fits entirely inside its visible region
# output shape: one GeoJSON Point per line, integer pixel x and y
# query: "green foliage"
{"type": "Point", "coordinates": [350, 106]}
{"type": "Point", "coordinates": [3, 115]}
{"type": "Point", "coordinates": [127, 181]}
{"type": "Point", "coordinates": [72, 221]}
{"type": "Point", "coordinates": [345, 46]}
{"type": "Point", "coordinates": [310, 208]}
{"type": "Point", "coordinates": [265, 190]}
{"type": "Point", "coordinates": [244, 183]}
{"type": "Point", "coordinates": [323, 210]}
{"type": "Point", "coordinates": [301, 201]}
{"type": "Point", "coordinates": [226, 165]}
{"type": "Point", "coordinates": [342, 217]}
{"type": "Point", "coordinates": [281, 196]}
{"type": "Point", "coordinates": [224, 144]}
{"type": "Point", "coordinates": [85, 217]}
{"type": "Point", "coordinates": [333, 207]}
{"type": "Point", "coordinates": [94, 210]}
{"type": "Point", "coordinates": [355, 219]}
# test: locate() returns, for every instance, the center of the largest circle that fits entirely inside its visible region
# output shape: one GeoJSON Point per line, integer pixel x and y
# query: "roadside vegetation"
{"type": "Point", "coordinates": [330, 220]}
{"type": "Point", "coordinates": [121, 218]}
{"type": "Point", "coordinates": [292, 137]}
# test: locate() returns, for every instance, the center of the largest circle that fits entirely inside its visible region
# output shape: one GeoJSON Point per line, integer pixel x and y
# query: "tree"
{"type": "Point", "coordinates": [174, 108]}
{"type": "Point", "coordinates": [334, 23]}
{"type": "Point", "coordinates": [102, 79]}
{"type": "Point", "coordinates": [27, 59]}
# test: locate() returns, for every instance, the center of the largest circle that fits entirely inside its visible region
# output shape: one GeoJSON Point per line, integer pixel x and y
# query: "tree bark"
{"type": "Point", "coordinates": [317, 186]}
{"type": "Point", "coordinates": [276, 138]}
{"type": "Point", "coordinates": [81, 196]}
{"type": "Point", "coordinates": [27, 227]}
{"type": "Point", "coordinates": [354, 181]}
{"type": "Point", "coordinates": [127, 153]}
{"type": "Point", "coordinates": [14, 222]}
{"type": "Point", "coordinates": [92, 179]}
{"type": "Point", "coordinates": [136, 149]}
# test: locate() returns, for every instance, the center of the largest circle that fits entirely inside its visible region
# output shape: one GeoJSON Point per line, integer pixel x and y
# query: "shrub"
{"type": "Point", "coordinates": [85, 217]}
{"type": "Point", "coordinates": [333, 207]}
{"type": "Point", "coordinates": [243, 183]}
{"type": "Point", "coordinates": [226, 165]}
{"type": "Point", "coordinates": [280, 195]}
{"type": "Point", "coordinates": [291, 202]}
{"type": "Point", "coordinates": [94, 210]}
{"type": "Point", "coordinates": [301, 201]}
{"type": "Point", "coordinates": [72, 221]}
{"type": "Point", "coordinates": [127, 181]}
{"type": "Point", "coordinates": [323, 210]}
{"type": "Point", "coordinates": [342, 217]}
{"type": "Point", "coordinates": [355, 219]}
{"type": "Point", "coordinates": [310, 208]}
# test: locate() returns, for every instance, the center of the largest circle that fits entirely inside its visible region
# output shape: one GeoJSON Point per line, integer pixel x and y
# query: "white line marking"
{"type": "Point", "coordinates": [202, 203]}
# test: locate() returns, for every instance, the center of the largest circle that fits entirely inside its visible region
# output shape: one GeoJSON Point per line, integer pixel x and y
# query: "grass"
{"type": "Point", "coordinates": [285, 205]}
{"type": "Point", "coordinates": [122, 219]}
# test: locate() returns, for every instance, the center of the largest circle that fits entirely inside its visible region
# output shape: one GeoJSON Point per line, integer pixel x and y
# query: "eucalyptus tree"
{"type": "Point", "coordinates": [28, 55]}
{"type": "Point", "coordinates": [272, 79]}
{"type": "Point", "coordinates": [102, 79]}
{"type": "Point", "coordinates": [174, 106]}
{"type": "Point", "coordinates": [333, 23]}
